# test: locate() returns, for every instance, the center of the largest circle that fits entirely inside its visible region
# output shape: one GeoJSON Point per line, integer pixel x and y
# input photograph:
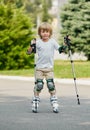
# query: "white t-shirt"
{"type": "Point", "coordinates": [45, 51]}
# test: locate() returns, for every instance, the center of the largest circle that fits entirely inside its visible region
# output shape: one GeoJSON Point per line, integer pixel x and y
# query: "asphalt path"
{"type": "Point", "coordinates": [16, 113]}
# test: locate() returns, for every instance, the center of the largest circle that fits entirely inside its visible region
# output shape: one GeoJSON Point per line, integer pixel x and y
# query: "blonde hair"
{"type": "Point", "coordinates": [46, 27]}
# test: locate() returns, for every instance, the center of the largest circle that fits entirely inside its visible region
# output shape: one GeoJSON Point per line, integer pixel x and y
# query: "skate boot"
{"type": "Point", "coordinates": [54, 104]}
{"type": "Point", "coordinates": [35, 104]}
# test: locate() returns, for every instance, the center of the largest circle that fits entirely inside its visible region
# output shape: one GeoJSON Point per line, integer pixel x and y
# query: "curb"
{"type": "Point", "coordinates": [63, 81]}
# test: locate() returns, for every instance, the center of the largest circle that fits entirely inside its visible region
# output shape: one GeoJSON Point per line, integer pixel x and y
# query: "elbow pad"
{"type": "Point", "coordinates": [62, 49]}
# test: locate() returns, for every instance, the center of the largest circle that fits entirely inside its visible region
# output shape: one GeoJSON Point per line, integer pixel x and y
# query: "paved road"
{"type": "Point", "coordinates": [16, 114]}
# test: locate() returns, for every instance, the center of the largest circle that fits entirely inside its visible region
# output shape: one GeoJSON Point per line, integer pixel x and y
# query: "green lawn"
{"type": "Point", "coordinates": [62, 69]}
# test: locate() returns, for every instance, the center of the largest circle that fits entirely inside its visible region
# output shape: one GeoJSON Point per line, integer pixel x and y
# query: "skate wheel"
{"type": "Point", "coordinates": [34, 111]}
{"type": "Point", "coordinates": [56, 111]}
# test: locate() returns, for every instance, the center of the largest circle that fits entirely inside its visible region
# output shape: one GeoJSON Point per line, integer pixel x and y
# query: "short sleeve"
{"type": "Point", "coordinates": [56, 45]}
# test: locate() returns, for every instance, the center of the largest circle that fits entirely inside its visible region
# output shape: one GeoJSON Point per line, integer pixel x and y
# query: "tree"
{"type": "Point", "coordinates": [15, 35]}
{"type": "Point", "coordinates": [75, 21]}
{"type": "Point", "coordinates": [33, 8]}
{"type": "Point", "coordinates": [45, 15]}
{"type": "Point", "coordinates": [45, 12]}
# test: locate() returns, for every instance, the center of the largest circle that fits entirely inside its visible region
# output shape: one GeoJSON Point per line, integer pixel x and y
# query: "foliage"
{"type": "Point", "coordinates": [75, 20]}
{"type": "Point", "coordinates": [16, 31]}
{"type": "Point", "coordinates": [33, 8]}
{"type": "Point", "coordinates": [39, 8]}
{"type": "Point", "coordinates": [45, 15]}
{"type": "Point", "coordinates": [15, 35]}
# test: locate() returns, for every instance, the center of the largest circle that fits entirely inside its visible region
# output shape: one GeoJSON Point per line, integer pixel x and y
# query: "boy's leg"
{"type": "Point", "coordinates": [53, 98]}
{"type": "Point", "coordinates": [35, 104]}
{"type": "Point", "coordinates": [37, 89]}
{"type": "Point", "coordinates": [52, 91]}
{"type": "Point", "coordinates": [54, 103]}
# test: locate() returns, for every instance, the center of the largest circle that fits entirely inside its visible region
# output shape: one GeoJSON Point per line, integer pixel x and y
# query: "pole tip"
{"type": "Point", "coordinates": [78, 102]}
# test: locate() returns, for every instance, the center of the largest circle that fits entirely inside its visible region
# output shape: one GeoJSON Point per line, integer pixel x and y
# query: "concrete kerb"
{"type": "Point", "coordinates": [63, 81]}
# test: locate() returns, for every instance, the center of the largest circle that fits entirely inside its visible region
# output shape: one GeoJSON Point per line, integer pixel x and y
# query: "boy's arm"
{"type": "Point", "coordinates": [32, 48]}
{"type": "Point", "coordinates": [65, 45]}
{"type": "Point", "coordinates": [62, 48]}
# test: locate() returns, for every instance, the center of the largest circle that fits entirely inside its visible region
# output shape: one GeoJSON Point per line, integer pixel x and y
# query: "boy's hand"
{"type": "Point", "coordinates": [33, 42]}
{"type": "Point", "coordinates": [65, 44]}
{"type": "Point", "coordinates": [33, 45]}
{"type": "Point", "coordinates": [62, 48]}
{"type": "Point", "coordinates": [29, 51]}
{"type": "Point", "coordinates": [67, 40]}
{"type": "Point", "coordinates": [32, 48]}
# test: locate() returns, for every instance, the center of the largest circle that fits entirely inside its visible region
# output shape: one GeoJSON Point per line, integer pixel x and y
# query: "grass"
{"type": "Point", "coordinates": [62, 69]}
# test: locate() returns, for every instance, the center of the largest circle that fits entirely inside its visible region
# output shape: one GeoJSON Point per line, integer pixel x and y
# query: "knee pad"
{"type": "Point", "coordinates": [39, 84]}
{"type": "Point", "coordinates": [50, 84]}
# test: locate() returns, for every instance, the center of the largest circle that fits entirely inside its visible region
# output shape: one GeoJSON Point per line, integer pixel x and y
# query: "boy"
{"type": "Point", "coordinates": [45, 47]}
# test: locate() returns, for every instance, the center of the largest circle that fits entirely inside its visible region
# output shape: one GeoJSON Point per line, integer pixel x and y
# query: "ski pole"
{"type": "Point", "coordinates": [33, 45]}
{"type": "Point", "coordinates": [33, 50]}
{"type": "Point", "coordinates": [67, 41]}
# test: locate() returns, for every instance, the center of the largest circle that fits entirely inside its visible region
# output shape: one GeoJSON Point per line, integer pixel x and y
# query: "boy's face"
{"type": "Point", "coordinates": [45, 34]}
